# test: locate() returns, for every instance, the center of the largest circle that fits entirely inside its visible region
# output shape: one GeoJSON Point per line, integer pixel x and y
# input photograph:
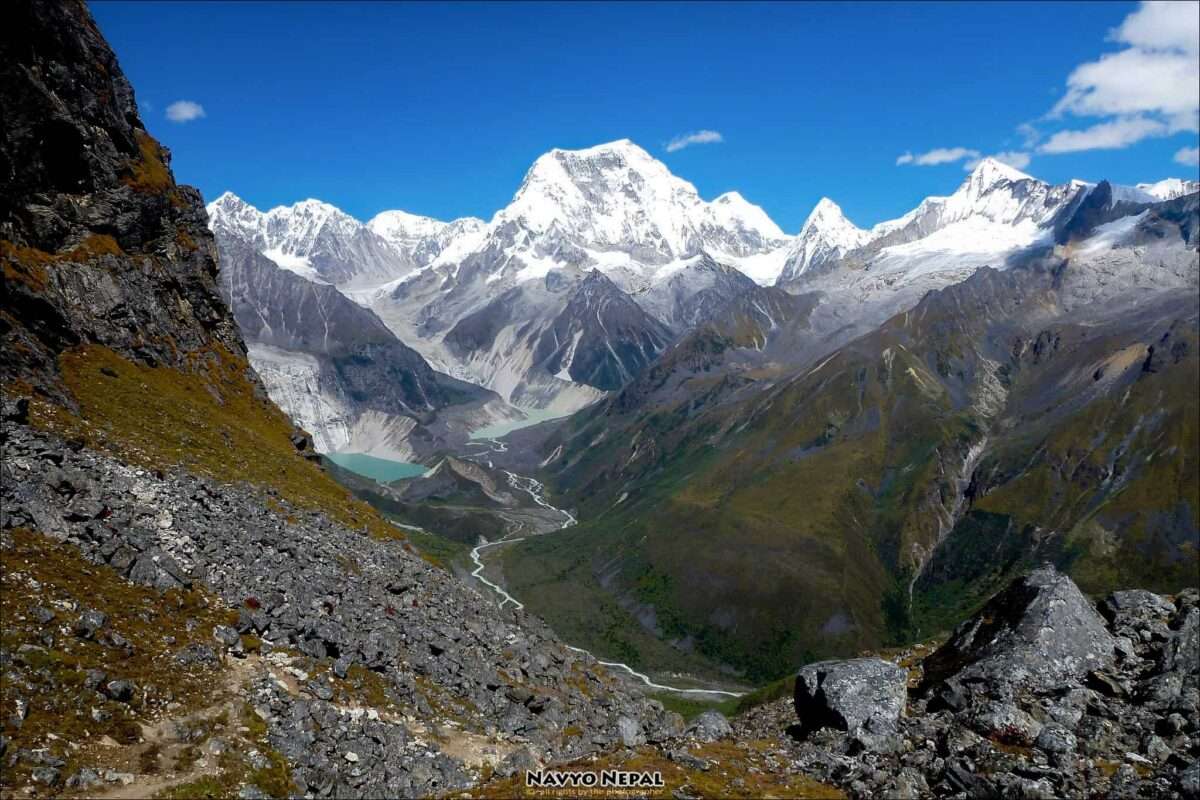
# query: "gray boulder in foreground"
{"type": "Point", "coordinates": [1038, 634]}
{"type": "Point", "coordinates": [859, 695]}
{"type": "Point", "coordinates": [710, 727]}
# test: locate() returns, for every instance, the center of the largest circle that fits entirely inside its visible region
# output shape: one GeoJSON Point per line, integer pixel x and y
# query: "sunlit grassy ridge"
{"type": "Point", "coordinates": [207, 419]}
{"type": "Point", "coordinates": [730, 534]}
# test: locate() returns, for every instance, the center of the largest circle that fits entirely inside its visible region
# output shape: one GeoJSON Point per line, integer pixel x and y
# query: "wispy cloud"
{"type": "Point", "coordinates": [1029, 134]}
{"type": "Point", "coordinates": [1111, 135]}
{"type": "Point", "coordinates": [1150, 88]}
{"type": "Point", "coordinates": [184, 111]}
{"type": "Point", "coordinates": [1188, 156]}
{"type": "Point", "coordinates": [695, 137]}
{"type": "Point", "coordinates": [939, 155]}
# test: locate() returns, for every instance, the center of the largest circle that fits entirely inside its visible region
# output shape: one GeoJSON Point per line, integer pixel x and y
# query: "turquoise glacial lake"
{"type": "Point", "coordinates": [380, 469]}
{"type": "Point", "coordinates": [532, 417]}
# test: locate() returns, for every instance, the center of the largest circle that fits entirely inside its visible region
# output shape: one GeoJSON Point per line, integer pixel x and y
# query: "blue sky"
{"type": "Point", "coordinates": [440, 109]}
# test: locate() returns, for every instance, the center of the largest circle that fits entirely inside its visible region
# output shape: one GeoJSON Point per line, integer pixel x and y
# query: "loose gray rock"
{"type": "Point", "coordinates": [89, 623]}
{"type": "Point", "coordinates": [1134, 608]}
{"type": "Point", "coordinates": [1189, 782]}
{"type": "Point", "coordinates": [1055, 738]}
{"type": "Point", "coordinates": [863, 693]}
{"type": "Point", "coordinates": [84, 779]}
{"type": "Point", "coordinates": [226, 635]}
{"type": "Point", "coordinates": [121, 691]}
{"type": "Point", "coordinates": [630, 731]}
{"type": "Point", "coordinates": [1182, 651]}
{"type": "Point", "coordinates": [710, 726]}
{"type": "Point", "coordinates": [1038, 634]}
{"type": "Point", "coordinates": [49, 776]}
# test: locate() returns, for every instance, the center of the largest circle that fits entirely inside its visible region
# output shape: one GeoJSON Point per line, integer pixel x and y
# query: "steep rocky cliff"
{"type": "Point", "coordinates": [99, 244]}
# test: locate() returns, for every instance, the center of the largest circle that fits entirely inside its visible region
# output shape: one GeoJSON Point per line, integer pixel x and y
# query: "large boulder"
{"type": "Point", "coordinates": [863, 695]}
{"type": "Point", "coordinates": [1133, 608]}
{"type": "Point", "coordinates": [1039, 634]}
{"type": "Point", "coordinates": [710, 726]}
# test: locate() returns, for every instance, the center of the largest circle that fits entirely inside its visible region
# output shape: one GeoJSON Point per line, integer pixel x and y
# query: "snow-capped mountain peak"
{"type": "Point", "coordinates": [616, 206]}
{"type": "Point", "coordinates": [403, 226]}
{"type": "Point", "coordinates": [735, 211]}
{"type": "Point", "coordinates": [996, 207]}
{"type": "Point", "coordinates": [828, 217]}
{"type": "Point", "coordinates": [826, 236]}
{"type": "Point", "coordinates": [993, 193]}
{"type": "Point", "coordinates": [1170, 188]}
{"type": "Point", "coordinates": [611, 196]}
{"type": "Point", "coordinates": [233, 214]}
{"type": "Point", "coordinates": [312, 238]}
{"type": "Point", "coordinates": [989, 172]}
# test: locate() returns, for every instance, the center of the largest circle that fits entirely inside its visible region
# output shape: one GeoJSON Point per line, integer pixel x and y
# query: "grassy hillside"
{"type": "Point", "coordinates": [208, 419]}
{"type": "Point", "coordinates": [880, 496]}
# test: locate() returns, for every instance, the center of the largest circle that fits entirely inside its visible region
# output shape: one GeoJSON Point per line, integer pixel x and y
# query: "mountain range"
{"type": "Point", "coordinates": [775, 488]}
{"type": "Point", "coordinates": [601, 260]}
{"type": "Point", "coordinates": [858, 501]}
{"type": "Point", "coordinates": [896, 382]}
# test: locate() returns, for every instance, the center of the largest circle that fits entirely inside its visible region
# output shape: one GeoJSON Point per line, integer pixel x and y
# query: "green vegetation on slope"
{"type": "Point", "coordinates": [64, 712]}
{"type": "Point", "coordinates": [208, 420]}
{"type": "Point", "coordinates": [767, 531]}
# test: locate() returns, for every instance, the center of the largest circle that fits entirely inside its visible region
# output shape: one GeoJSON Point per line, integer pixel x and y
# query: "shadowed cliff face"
{"type": "Point", "coordinates": [97, 241]}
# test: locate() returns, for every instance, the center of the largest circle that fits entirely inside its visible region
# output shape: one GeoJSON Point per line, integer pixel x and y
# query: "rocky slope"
{"type": "Point", "coordinates": [1043, 694]}
{"type": "Point", "coordinates": [362, 646]}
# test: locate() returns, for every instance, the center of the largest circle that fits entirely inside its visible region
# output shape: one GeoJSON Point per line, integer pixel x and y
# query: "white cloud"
{"type": "Point", "coordinates": [1016, 159]}
{"type": "Point", "coordinates": [939, 155]}
{"type": "Point", "coordinates": [1188, 156]}
{"type": "Point", "coordinates": [1162, 26]}
{"type": "Point", "coordinates": [1132, 82]}
{"type": "Point", "coordinates": [696, 137]}
{"type": "Point", "coordinates": [1150, 88]}
{"type": "Point", "coordinates": [1114, 134]}
{"type": "Point", "coordinates": [184, 111]}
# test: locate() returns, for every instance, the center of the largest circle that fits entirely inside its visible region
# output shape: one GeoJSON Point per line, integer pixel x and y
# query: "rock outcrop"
{"type": "Point", "coordinates": [97, 241]}
{"type": "Point", "coordinates": [1038, 634]}
{"type": "Point", "coordinates": [1037, 695]}
{"type": "Point", "coordinates": [865, 695]}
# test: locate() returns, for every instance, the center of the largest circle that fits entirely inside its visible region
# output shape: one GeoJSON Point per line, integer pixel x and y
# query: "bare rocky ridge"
{"type": "Point", "coordinates": [1127, 729]}
{"type": "Point", "coordinates": [98, 243]}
